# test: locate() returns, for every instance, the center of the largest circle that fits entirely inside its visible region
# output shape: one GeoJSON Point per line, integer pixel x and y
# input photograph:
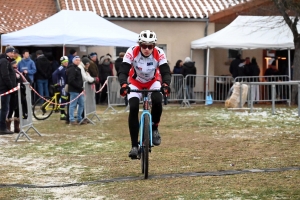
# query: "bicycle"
{"type": "Point", "coordinates": [44, 107]}
{"type": "Point", "coordinates": [145, 133]}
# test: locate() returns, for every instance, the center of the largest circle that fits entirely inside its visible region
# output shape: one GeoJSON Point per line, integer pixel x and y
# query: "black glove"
{"type": "Point", "coordinates": [124, 90]}
{"type": "Point", "coordinates": [165, 89]}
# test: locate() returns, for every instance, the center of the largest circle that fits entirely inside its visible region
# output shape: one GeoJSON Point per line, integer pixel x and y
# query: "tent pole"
{"type": "Point", "coordinates": [191, 54]}
{"type": "Point", "coordinates": [64, 49]}
{"type": "Point", "coordinates": [289, 57]}
{"type": "Point", "coordinates": [206, 76]}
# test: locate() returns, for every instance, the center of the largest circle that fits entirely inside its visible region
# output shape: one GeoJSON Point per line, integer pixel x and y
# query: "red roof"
{"type": "Point", "coordinates": [19, 14]}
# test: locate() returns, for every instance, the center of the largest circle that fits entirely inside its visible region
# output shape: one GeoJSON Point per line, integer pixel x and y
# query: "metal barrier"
{"type": "Point", "coordinates": [273, 92]}
{"type": "Point", "coordinates": [25, 123]}
{"type": "Point", "coordinates": [263, 92]}
{"type": "Point", "coordinates": [90, 102]}
{"type": "Point", "coordinates": [113, 93]}
{"type": "Point", "coordinates": [217, 86]}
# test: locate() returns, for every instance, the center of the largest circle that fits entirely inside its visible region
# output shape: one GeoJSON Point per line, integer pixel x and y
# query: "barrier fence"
{"type": "Point", "coordinates": [25, 123]}
{"type": "Point", "coordinates": [90, 102]}
{"type": "Point", "coordinates": [113, 93]}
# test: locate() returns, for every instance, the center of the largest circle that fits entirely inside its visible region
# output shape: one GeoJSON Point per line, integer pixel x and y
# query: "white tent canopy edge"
{"type": "Point", "coordinates": [72, 28]}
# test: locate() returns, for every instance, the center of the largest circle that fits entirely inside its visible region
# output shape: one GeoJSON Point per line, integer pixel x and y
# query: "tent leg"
{"type": "Point", "coordinates": [64, 49]}
{"type": "Point", "coordinates": [206, 78]}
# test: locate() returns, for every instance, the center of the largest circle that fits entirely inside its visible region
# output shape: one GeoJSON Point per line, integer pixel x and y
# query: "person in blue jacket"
{"type": "Point", "coordinates": [26, 65]}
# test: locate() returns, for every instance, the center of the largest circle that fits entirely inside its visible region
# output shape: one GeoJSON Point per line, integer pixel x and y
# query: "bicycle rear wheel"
{"type": "Point", "coordinates": [41, 109]}
{"type": "Point", "coordinates": [145, 148]}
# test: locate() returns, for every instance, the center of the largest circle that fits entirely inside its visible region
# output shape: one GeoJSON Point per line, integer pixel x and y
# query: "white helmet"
{"type": "Point", "coordinates": [147, 36]}
{"type": "Point", "coordinates": [64, 59]}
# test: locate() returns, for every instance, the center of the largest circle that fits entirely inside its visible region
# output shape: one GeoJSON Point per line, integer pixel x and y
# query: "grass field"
{"type": "Point", "coordinates": [197, 139]}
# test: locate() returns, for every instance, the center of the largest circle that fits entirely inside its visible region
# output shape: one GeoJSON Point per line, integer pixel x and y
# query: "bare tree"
{"type": "Point", "coordinates": [290, 10]}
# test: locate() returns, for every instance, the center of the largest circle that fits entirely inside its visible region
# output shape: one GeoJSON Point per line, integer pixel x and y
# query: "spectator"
{"type": "Point", "coordinates": [119, 61]}
{"type": "Point", "coordinates": [7, 82]}
{"type": "Point", "coordinates": [14, 105]}
{"type": "Point", "coordinates": [254, 70]}
{"type": "Point", "coordinates": [43, 73]}
{"type": "Point", "coordinates": [26, 65]}
{"type": "Point", "coordinates": [111, 64]}
{"type": "Point", "coordinates": [269, 76]}
{"type": "Point", "coordinates": [189, 69]}
{"type": "Point", "coordinates": [94, 72]}
{"type": "Point", "coordinates": [178, 80]}
{"type": "Point", "coordinates": [17, 56]}
{"type": "Point", "coordinates": [105, 71]}
{"type": "Point", "coordinates": [75, 83]}
{"type": "Point", "coordinates": [59, 80]}
{"type": "Point", "coordinates": [72, 54]}
{"type": "Point", "coordinates": [234, 66]}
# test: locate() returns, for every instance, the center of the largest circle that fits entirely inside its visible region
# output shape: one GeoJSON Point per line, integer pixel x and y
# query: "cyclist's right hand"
{"type": "Point", "coordinates": [124, 90]}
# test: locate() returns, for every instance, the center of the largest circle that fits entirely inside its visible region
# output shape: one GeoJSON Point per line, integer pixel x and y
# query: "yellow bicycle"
{"type": "Point", "coordinates": [44, 107]}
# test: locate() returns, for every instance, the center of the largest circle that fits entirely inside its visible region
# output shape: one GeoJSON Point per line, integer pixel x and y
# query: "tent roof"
{"type": "Point", "coordinates": [250, 32]}
{"type": "Point", "coordinates": [72, 28]}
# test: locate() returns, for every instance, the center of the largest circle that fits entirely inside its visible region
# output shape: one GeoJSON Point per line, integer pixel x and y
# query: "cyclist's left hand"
{"type": "Point", "coordinates": [165, 89]}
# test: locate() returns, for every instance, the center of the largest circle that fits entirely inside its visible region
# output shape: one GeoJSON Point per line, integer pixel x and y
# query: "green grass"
{"type": "Point", "coordinates": [198, 139]}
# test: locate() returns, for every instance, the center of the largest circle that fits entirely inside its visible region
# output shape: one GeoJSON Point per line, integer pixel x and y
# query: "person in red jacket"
{"type": "Point", "coordinates": [145, 60]}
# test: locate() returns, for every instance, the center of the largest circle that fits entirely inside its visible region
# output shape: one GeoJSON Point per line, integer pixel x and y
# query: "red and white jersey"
{"type": "Point", "coordinates": [145, 68]}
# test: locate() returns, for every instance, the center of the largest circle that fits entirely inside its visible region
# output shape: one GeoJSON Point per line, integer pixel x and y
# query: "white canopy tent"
{"type": "Point", "coordinates": [69, 28]}
{"type": "Point", "coordinates": [249, 32]}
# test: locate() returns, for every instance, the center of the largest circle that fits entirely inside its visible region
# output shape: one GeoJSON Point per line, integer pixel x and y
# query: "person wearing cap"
{"type": "Point", "coordinates": [75, 83]}
{"type": "Point", "coordinates": [104, 71]}
{"type": "Point", "coordinates": [43, 73]}
{"type": "Point", "coordinates": [26, 65]}
{"type": "Point", "coordinates": [13, 114]}
{"type": "Point", "coordinates": [7, 82]}
{"type": "Point", "coordinates": [59, 80]}
{"type": "Point", "coordinates": [72, 54]}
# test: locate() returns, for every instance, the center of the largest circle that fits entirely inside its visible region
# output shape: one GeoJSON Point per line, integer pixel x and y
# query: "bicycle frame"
{"type": "Point", "coordinates": [145, 112]}
{"type": "Point", "coordinates": [54, 99]}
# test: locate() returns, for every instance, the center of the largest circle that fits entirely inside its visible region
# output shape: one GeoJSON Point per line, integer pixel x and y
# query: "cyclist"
{"type": "Point", "coordinates": [59, 80]}
{"type": "Point", "coordinates": [143, 62]}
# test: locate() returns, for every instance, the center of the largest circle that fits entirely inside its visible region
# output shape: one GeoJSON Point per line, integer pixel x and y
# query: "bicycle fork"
{"type": "Point", "coordinates": [145, 112]}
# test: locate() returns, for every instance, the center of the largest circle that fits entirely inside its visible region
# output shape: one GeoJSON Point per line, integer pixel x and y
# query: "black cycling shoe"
{"type": "Point", "coordinates": [156, 140]}
{"type": "Point", "coordinates": [133, 154]}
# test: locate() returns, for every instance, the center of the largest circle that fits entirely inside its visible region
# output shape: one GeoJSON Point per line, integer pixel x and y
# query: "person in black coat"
{"type": "Point", "coordinates": [43, 73]}
{"type": "Point", "coordinates": [178, 79]}
{"type": "Point", "coordinates": [105, 71]}
{"type": "Point", "coordinates": [118, 61]}
{"type": "Point", "coordinates": [7, 82]}
{"type": "Point", "coordinates": [234, 66]}
{"type": "Point", "coordinates": [189, 69]}
{"type": "Point", "coordinates": [75, 83]}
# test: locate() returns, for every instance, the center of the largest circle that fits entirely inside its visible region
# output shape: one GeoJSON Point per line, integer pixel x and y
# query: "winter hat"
{"type": "Point", "coordinates": [187, 59]}
{"type": "Point", "coordinates": [104, 58]}
{"type": "Point", "coordinates": [85, 60]}
{"type": "Point", "coordinates": [10, 49]}
{"type": "Point", "coordinates": [75, 57]}
{"type": "Point", "coordinates": [13, 62]}
{"type": "Point", "coordinates": [93, 54]}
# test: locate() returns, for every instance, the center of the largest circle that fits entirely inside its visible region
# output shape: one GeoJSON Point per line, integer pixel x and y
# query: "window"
{"type": "Point", "coordinates": [163, 47]}
{"type": "Point", "coordinates": [232, 53]}
{"type": "Point", "coordinates": [120, 49]}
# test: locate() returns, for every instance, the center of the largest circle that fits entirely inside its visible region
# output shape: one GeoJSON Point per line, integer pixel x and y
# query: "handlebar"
{"type": "Point", "coordinates": [146, 91]}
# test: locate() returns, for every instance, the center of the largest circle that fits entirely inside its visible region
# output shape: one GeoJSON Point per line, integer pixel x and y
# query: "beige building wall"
{"type": "Point", "coordinates": [177, 36]}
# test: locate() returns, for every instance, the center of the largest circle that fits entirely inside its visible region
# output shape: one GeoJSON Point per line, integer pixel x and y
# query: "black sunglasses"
{"type": "Point", "coordinates": [144, 46]}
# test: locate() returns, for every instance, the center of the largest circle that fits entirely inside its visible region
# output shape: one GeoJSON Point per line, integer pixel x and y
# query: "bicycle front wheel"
{"type": "Point", "coordinates": [145, 148]}
{"type": "Point", "coordinates": [42, 109]}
